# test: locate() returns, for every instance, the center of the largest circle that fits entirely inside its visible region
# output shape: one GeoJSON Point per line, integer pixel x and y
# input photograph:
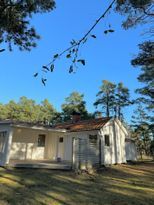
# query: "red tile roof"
{"type": "Point", "coordinates": [85, 125]}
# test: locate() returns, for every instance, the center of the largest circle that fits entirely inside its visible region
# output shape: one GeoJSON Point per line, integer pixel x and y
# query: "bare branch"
{"type": "Point", "coordinates": [75, 45]}
{"type": "Point", "coordinates": [148, 12]}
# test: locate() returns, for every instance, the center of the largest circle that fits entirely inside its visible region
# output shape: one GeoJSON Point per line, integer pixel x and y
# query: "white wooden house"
{"type": "Point", "coordinates": [81, 144]}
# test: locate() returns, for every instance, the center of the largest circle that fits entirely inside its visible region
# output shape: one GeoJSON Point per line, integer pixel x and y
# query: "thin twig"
{"type": "Point", "coordinates": [148, 12]}
{"type": "Point", "coordinates": [77, 44]}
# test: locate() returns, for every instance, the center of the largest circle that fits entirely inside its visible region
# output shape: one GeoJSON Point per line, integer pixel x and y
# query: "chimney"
{"type": "Point", "coordinates": [98, 115]}
{"type": "Point", "coordinates": [76, 116]}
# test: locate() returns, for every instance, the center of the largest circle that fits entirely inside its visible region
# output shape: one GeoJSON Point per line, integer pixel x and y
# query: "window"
{"type": "Point", "coordinates": [41, 141]}
{"type": "Point", "coordinates": [93, 139]}
{"type": "Point", "coordinates": [107, 140]}
{"type": "Point", "coordinates": [61, 139]}
{"type": "Point", "coordinates": [2, 140]}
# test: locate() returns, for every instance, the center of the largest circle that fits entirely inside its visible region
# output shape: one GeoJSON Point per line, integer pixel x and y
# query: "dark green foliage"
{"type": "Point", "coordinates": [108, 31]}
{"type": "Point", "coordinates": [145, 60]}
{"type": "Point", "coordinates": [82, 61]}
{"type": "Point", "coordinates": [15, 18]}
{"type": "Point", "coordinates": [35, 75]}
{"type": "Point", "coordinates": [28, 111]}
{"type": "Point", "coordinates": [143, 118]}
{"type": "Point", "coordinates": [106, 97]}
{"type": "Point", "coordinates": [136, 11]}
{"type": "Point", "coordinates": [113, 98]}
{"type": "Point", "coordinates": [143, 131]}
{"type": "Point", "coordinates": [93, 36]}
{"type": "Point", "coordinates": [74, 103]}
{"type": "Point", "coordinates": [122, 99]}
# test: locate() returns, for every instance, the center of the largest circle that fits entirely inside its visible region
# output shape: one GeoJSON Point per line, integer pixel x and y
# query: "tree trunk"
{"type": "Point", "coordinates": [119, 112]}
{"type": "Point", "coordinates": [107, 106]}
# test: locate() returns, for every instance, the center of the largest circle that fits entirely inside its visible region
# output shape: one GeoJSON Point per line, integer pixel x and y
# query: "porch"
{"type": "Point", "coordinates": [41, 164]}
{"type": "Point", "coordinates": [40, 149]}
{"type": "Point", "coordinates": [35, 147]}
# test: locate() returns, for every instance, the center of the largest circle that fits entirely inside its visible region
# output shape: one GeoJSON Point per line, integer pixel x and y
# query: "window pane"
{"type": "Point", "coordinates": [93, 138]}
{"type": "Point", "coordinates": [61, 139]}
{"type": "Point", "coordinates": [41, 140]}
{"type": "Point", "coordinates": [107, 140]}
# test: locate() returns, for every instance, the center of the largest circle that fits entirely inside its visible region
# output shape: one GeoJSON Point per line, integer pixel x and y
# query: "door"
{"type": "Point", "coordinates": [40, 147]}
{"type": "Point", "coordinates": [107, 150]}
{"type": "Point", "coordinates": [86, 152]}
{"type": "Point", "coordinates": [60, 155]}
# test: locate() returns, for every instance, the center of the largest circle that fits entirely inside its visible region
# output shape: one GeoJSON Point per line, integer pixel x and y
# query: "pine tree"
{"type": "Point", "coordinates": [136, 12]}
{"type": "Point", "coordinates": [106, 97]}
{"type": "Point", "coordinates": [122, 100]}
{"type": "Point", "coordinates": [47, 111]}
{"type": "Point", "coordinates": [15, 18]}
{"type": "Point", "coordinates": [74, 103]}
{"type": "Point", "coordinates": [141, 130]}
{"type": "Point", "coordinates": [145, 60]}
{"type": "Point", "coordinates": [3, 112]}
{"type": "Point", "coordinates": [113, 98]}
{"type": "Point", "coordinates": [26, 110]}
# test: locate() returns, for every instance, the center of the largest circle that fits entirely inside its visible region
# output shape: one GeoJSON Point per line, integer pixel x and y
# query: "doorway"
{"type": "Point", "coordinates": [60, 153]}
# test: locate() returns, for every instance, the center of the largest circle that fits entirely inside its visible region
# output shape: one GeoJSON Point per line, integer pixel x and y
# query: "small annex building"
{"type": "Point", "coordinates": [78, 145]}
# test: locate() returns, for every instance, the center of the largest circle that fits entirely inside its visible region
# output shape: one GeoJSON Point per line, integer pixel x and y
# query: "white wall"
{"type": "Point", "coordinates": [108, 153]}
{"type": "Point", "coordinates": [25, 141]}
{"type": "Point", "coordinates": [24, 145]}
{"type": "Point", "coordinates": [85, 155]}
{"type": "Point", "coordinates": [131, 152]}
{"type": "Point", "coordinates": [68, 148]}
{"type": "Point", "coordinates": [52, 145]}
{"type": "Point", "coordinates": [6, 144]}
{"type": "Point", "coordinates": [115, 153]}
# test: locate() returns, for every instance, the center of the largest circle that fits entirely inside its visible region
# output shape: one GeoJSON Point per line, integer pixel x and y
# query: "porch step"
{"type": "Point", "coordinates": [43, 166]}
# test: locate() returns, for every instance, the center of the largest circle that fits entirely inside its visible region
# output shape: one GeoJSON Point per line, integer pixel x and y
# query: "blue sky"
{"type": "Point", "coordinates": [107, 57]}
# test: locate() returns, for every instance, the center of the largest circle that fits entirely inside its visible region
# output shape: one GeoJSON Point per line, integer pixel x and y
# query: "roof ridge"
{"type": "Point", "coordinates": [78, 122]}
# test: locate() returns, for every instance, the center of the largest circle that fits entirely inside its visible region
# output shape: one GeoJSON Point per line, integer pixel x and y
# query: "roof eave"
{"type": "Point", "coordinates": [39, 128]}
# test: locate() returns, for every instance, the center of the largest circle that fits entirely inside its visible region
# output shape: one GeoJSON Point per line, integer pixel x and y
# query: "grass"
{"type": "Point", "coordinates": [116, 185]}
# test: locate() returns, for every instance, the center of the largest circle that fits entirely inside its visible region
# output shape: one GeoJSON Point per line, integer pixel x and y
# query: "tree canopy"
{"type": "Point", "coordinates": [112, 98]}
{"type": "Point", "coordinates": [135, 11]}
{"type": "Point", "coordinates": [106, 97]}
{"type": "Point", "coordinates": [143, 132]}
{"type": "Point", "coordinates": [74, 103]}
{"type": "Point", "coordinates": [15, 18]}
{"type": "Point", "coordinates": [145, 60]}
{"type": "Point", "coordinates": [27, 110]}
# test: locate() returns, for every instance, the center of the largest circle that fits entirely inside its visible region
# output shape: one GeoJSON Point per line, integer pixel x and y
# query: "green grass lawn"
{"type": "Point", "coordinates": [117, 185]}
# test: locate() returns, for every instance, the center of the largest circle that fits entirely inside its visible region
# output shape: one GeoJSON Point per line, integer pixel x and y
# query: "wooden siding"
{"type": "Point", "coordinates": [4, 153]}
{"type": "Point", "coordinates": [131, 152]}
{"type": "Point", "coordinates": [86, 153]}
{"type": "Point", "coordinates": [25, 141]}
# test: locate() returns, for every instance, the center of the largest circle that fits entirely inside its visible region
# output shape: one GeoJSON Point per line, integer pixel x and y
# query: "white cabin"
{"type": "Point", "coordinates": [80, 145]}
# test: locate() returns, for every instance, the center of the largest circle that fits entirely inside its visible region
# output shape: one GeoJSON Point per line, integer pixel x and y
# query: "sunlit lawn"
{"type": "Point", "coordinates": [118, 185]}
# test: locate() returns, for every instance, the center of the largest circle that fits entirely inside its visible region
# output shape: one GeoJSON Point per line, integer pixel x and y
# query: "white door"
{"type": "Point", "coordinates": [61, 148]}
{"type": "Point", "coordinates": [40, 147]}
{"type": "Point", "coordinates": [107, 150]}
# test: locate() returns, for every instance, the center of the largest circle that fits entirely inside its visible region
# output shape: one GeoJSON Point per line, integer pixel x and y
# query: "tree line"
{"type": "Point", "coordinates": [111, 101]}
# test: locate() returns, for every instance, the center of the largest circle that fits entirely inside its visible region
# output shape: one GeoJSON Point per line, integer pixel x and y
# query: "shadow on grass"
{"type": "Point", "coordinates": [120, 185]}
